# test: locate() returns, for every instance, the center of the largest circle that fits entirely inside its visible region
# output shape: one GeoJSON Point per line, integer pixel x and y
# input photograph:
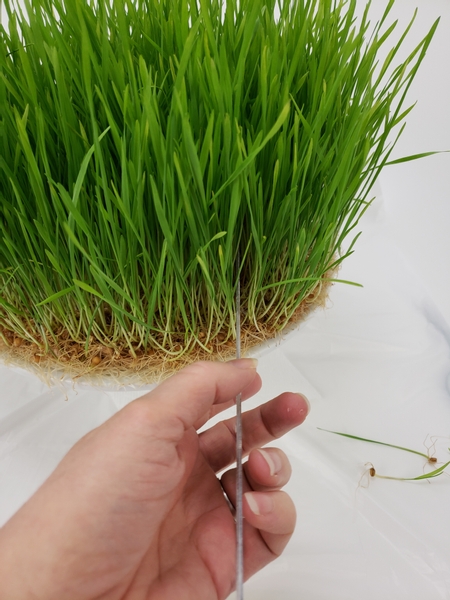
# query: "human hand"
{"type": "Point", "coordinates": [136, 511]}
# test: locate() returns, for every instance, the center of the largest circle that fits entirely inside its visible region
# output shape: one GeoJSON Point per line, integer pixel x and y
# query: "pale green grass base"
{"type": "Point", "coordinates": [101, 365]}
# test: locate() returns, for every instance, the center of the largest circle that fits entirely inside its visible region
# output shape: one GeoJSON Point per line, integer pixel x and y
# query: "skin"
{"type": "Point", "coordinates": [136, 510]}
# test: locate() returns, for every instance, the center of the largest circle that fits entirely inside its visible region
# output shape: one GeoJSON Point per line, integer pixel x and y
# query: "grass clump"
{"type": "Point", "coordinates": [143, 143]}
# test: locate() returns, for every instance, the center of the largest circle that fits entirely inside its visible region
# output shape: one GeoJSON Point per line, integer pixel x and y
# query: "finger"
{"type": "Point", "coordinates": [270, 518]}
{"type": "Point", "coordinates": [182, 399]}
{"type": "Point", "coordinates": [267, 469]}
{"type": "Point", "coordinates": [252, 389]}
{"type": "Point", "coordinates": [260, 426]}
{"type": "Point", "coordinates": [274, 515]}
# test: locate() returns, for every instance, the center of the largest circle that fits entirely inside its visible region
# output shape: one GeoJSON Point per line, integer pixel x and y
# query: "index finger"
{"type": "Point", "coordinates": [186, 396]}
{"type": "Point", "coordinates": [249, 391]}
{"type": "Point", "coordinates": [260, 426]}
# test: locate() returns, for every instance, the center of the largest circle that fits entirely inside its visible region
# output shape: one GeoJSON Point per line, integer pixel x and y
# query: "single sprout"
{"type": "Point", "coordinates": [439, 471]}
{"type": "Point", "coordinates": [430, 459]}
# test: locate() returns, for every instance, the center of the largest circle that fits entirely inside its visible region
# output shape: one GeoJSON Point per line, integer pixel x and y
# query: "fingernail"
{"type": "Point", "coordinates": [260, 504]}
{"type": "Point", "coordinates": [244, 363]}
{"type": "Point", "coordinates": [273, 460]}
{"type": "Point", "coordinates": [308, 404]}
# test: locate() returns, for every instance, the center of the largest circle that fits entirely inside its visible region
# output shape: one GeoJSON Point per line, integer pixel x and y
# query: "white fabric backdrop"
{"type": "Point", "coordinates": [375, 363]}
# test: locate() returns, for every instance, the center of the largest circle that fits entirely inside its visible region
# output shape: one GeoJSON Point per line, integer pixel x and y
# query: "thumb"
{"type": "Point", "coordinates": [190, 393]}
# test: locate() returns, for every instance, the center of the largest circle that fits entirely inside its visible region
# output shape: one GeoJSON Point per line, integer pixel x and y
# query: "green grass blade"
{"type": "Point", "coordinates": [354, 437]}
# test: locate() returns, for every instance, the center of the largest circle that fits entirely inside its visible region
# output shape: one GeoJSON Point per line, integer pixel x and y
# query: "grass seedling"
{"type": "Point", "coordinates": [439, 471]}
{"type": "Point", "coordinates": [373, 473]}
{"type": "Point", "coordinates": [143, 143]}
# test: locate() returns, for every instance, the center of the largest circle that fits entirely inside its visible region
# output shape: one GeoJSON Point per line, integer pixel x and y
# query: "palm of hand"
{"type": "Point", "coordinates": [193, 552]}
{"type": "Point", "coordinates": [178, 544]}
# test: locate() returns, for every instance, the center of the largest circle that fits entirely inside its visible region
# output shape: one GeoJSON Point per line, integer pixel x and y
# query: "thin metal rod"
{"type": "Point", "coordinates": [239, 515]}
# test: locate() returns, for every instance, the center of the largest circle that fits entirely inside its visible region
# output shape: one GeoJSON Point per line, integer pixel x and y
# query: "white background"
{"type": "Point", "coordinates": [375, 363]}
